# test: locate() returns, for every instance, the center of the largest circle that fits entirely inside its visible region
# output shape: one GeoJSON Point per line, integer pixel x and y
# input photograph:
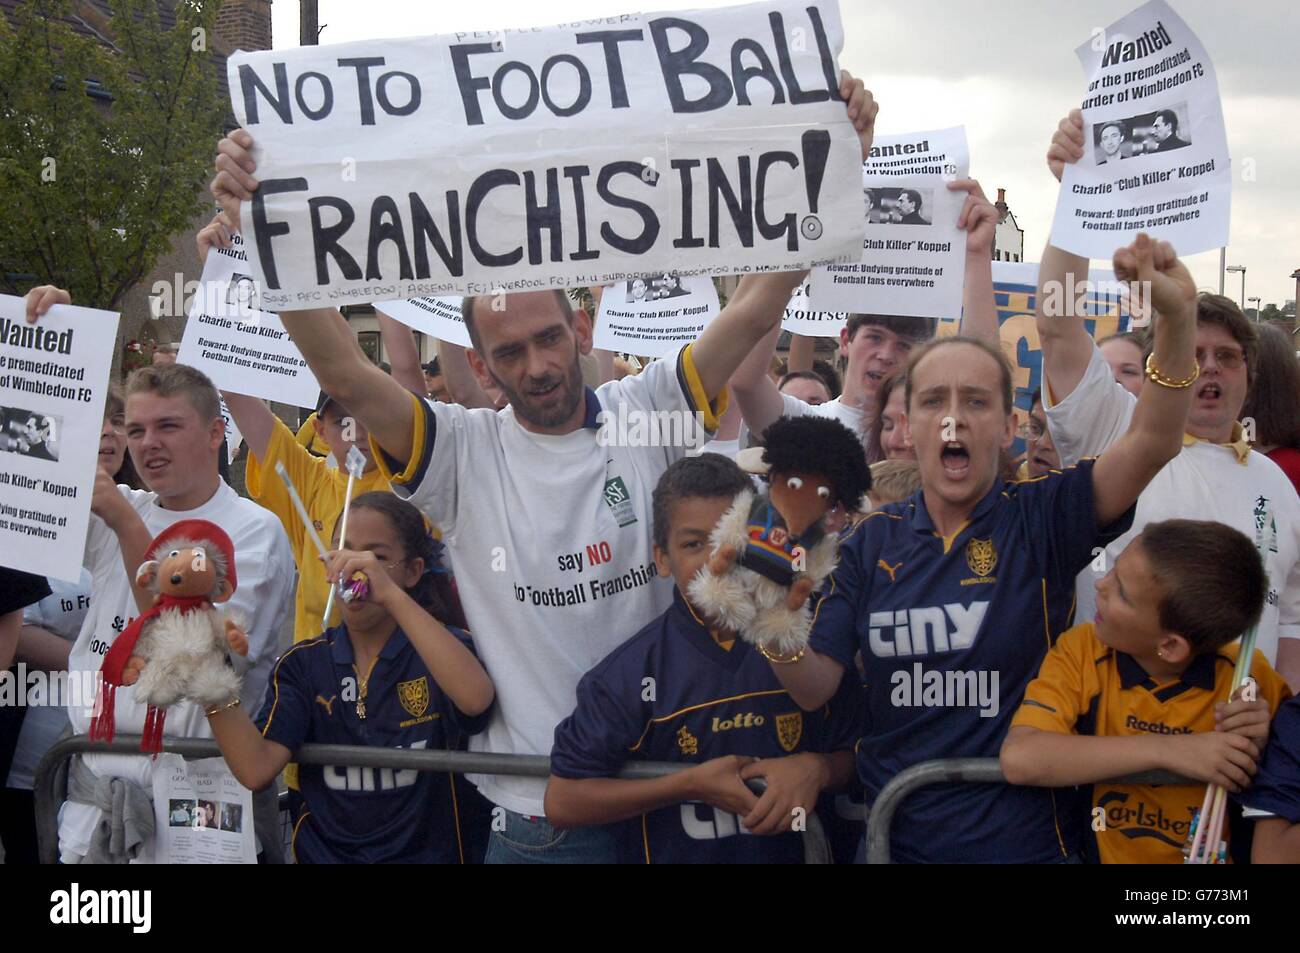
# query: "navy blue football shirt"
{"type": "Point", "coordinates": [951, 631]}
{"type": "Point", "coordinates": [1276, 788]}
{"type": "Point", "coordinates": [368, 815]}
{"type": "Point", "coordinates": [672, 693]}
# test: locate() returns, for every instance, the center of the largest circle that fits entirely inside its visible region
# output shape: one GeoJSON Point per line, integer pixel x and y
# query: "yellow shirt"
{"type": "Point", "coordinates": [322, 488]}
{"type": "Point", "coordinates": [1087, 688]}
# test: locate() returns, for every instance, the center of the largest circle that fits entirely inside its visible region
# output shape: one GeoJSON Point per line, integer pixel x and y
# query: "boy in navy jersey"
{"type": "Point", "coordinates": [683, 690]}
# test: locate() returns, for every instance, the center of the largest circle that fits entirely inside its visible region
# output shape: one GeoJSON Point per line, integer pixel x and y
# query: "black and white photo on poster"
{"type": "Point", "coordinates": [887, 206]}
{"type": "Point", "coordinates": [30, 433]}
{"type": "Point", "coordinates": [654, 287]}
{"type": "Point", "coordinates": [1161, 131]}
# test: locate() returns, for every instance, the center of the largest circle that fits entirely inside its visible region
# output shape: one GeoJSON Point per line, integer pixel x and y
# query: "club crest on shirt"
{"type": "Point", "coordinates": [789, 729]}
{"type": "Point", "coordinates": [414, 695]}
{"type": "Point", "coordinates": [687, 742]}
{"type": "Point", "coordinates": [981, 557]}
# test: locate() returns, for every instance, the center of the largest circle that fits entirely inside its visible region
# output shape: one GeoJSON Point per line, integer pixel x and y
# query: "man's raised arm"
{"type": "Point", "coordinates": [1155, 434]}
{"type": "Point", "coordinates": [760, 300]}
{"type": "Point", "coordinates": [322, 335]}
{"type": "Point", "coordinates": [1067, 346]}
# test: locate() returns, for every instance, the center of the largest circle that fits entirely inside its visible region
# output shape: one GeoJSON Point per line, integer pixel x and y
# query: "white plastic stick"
{"type": "Point", "coordinates": [302, 510]}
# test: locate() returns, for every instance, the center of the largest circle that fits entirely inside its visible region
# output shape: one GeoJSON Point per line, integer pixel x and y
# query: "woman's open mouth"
{"type": "Point", "coordinates": [955, 459]}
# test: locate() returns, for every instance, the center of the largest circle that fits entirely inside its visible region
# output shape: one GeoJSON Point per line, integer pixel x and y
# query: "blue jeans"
{"type": "Point", "coordinates": [532, 840]}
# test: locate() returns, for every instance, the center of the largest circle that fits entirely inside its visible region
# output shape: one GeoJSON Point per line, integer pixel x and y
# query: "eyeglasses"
{"type": "Point", "coordinates": [1031, 429]}
{"type": "Point", "coordinates": [1228, 358]}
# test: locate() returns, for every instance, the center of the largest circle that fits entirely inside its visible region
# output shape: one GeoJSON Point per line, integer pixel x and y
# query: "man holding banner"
{"type": "Point", "coordinates": [548, 526]}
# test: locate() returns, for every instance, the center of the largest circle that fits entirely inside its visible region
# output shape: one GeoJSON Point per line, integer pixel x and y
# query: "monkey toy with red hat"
{"type": "Point", "coordinates": [178, 648]}
{"type": "Point", "coordinates": [770, 553]}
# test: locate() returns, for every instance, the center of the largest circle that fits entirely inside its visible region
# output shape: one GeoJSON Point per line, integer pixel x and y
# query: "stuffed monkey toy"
{"type": "Point", "coordinates": [769, 554]}
{"type": "Point", "coordinates": [177, 649]}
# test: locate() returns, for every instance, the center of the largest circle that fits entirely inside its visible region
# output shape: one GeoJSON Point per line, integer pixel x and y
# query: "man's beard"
{"type": "Point", "coordinates": [524, 406]}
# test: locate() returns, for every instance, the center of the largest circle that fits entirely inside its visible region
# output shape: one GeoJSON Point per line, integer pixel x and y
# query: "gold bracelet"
{"type": "Point", "coordinates": [1154, 374]}
{"type": "Point", "coordinates": [218, 709]}
{"type": "Point", "coordinates": [778, 660]}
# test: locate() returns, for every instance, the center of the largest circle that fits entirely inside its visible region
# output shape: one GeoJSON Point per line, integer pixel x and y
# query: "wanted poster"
{"type": "Point", "coordinates": [202, 815]}
{"type": "Point", "coordinates": [800, 318]}
{"type": "Point", "coordinates": [437, 317]}
{"type": "Point", "coordinates": [53, 383]}
{"type": "Point", "coordinates": [242, 348]}
{"type": "Point", "coordinates": [654, 314]}
{"type": "Point", "coordinates": [577, 155]}
{"type": "Point", "coordinates": [1155, 150]}
{"type": "Point", "coordinates": [913, 254]}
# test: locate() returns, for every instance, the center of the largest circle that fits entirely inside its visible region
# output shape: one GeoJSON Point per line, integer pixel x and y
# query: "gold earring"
{"type": "Point", "coordinates": [1160, 653]}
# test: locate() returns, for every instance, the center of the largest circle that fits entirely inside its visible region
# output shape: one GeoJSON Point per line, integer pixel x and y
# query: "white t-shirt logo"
{"type": "Point", "coordinates": [619, 501]}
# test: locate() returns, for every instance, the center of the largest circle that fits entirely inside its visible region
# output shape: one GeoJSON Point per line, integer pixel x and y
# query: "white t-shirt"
{"type": "Point", "coordinates": [60, 613]}
{"type": "Point", "coordinates": [1205, 481]}
{"type": "Point", "coordinates": [855, 418]}
{"type": "Point", "coordinates": [265, 578]}
{"type": "Point", "coordinates": [726, 448]}
{"type": "Point", "coordinates": [552, 539]}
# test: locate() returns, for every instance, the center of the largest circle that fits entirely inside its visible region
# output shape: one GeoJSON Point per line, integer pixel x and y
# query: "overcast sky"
{"type": "Point", "coordinates": [1006, 70]}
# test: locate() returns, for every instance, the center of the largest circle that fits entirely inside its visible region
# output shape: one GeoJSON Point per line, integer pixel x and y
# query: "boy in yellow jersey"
{"type": "Point", "coordinates": [321, 487]}
{"type": "Point", "coordinates": [1144, 687]}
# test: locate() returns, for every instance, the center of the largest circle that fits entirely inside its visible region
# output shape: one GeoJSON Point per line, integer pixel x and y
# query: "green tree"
{"type": "Point", "coordinates": [1272, 312]}
{"type": "Point", "coordinates": [104, 151]}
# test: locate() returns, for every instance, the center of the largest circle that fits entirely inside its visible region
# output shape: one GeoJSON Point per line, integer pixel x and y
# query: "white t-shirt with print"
{"type": "Point", "coordinates": [264, 597]}
{"type": "Point", "coordinates": [1204, 482]}
{"type": "Point", "coordinates": [551, 539]}
{"type": "Point", "coordinates": [60, 613]}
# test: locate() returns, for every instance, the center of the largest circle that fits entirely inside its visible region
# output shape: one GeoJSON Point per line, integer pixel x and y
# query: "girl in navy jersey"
{"type": "Point", "coordinates": [399, 672]}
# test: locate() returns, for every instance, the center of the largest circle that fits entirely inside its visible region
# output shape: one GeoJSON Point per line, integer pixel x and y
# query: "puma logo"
{"type": "Point", "coordinates": [327, 705]}
{"type": "Point", "coordinates": [888, 568]}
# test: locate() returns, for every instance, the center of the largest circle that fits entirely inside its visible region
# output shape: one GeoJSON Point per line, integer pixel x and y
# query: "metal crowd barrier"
{"type": "Point", "coordinates": [955, 771]}
{"type": "Point", "coordinates": [51, 783]}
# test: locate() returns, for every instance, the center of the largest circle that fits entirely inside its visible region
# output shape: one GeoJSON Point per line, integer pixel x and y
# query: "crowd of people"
{"type": "Point", "coordinates": [1073, 610]}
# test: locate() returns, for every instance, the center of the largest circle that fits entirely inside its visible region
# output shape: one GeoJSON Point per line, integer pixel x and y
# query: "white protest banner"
{"type": "Point", "coordinates": [202, 815]}
{"type": "Point", "coordinates": [801, 319]}
{"type": "Point", "coordinates": [437, 317]}
{"type": "Point", "coordinates": [1155, 150]}
{"type": "Point", "coordinates": [53, 383]}
{"type": "Point", "coordinates": [575, 155]}
{"type": "Point", "coordinates": [913, 254]}
{"type": "Point", "coordinates": [242, 349]}
{"type": "Point", "coordinates": [655, 314]}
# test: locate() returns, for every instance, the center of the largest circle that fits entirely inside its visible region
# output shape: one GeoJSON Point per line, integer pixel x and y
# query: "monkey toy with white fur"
{"type": "Point", "coordinates": [178, 648]}
{"type": "Point", "coordinates": [769, 554]}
